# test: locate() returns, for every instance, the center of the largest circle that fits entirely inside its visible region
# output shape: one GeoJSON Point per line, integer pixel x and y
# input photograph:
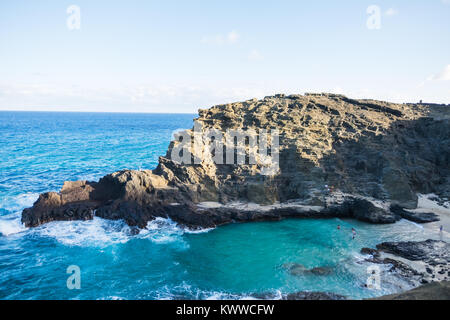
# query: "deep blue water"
{"type": "Point", "coordinates": [39, 151]}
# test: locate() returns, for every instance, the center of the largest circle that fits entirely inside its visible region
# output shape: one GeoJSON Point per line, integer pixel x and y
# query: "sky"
{"type": "Point", "coordinates": [179, 56]}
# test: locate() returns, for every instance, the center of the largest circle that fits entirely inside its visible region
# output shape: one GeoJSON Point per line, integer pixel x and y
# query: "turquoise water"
{"type": "Point", "coordinates": [39, 151]}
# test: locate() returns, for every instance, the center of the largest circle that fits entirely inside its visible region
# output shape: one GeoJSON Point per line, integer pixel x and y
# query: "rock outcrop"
{"type": "Point", "coordinates": [300, 295]}
{"type": "Point", "coordinates": [337, 157]}
{"type": "Point", "coordinates": [297, 269]}
{"type": "Point", "coordinates": [418, 262]}
{"type": "Point", "coordinates": [313, 296]}
{"type": "Point", "coordinates": [419, 217]}
{"type": "Point", "coordinates": [431, 291]}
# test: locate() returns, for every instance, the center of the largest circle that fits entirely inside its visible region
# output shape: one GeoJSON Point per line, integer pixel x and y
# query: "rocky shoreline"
{"type": "Point", "coordinates": [419, 262]}
{"type": "Point", "coordinates": [338, 157]}
{"type": "Point", "coordinates": [424, 265]}
{"type": "Point", "coordinates": [430, 291]}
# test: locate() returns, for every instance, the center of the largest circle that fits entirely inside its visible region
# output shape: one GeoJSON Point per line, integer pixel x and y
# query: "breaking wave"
{"type": "Point", "coordinates": [12, 206]}
{"type": "Point", "coordinates": [101, 232]}
{"type": "Point", "coordinates": [186, 291]}
{"type": "Point", "coordinates": [11, 224]}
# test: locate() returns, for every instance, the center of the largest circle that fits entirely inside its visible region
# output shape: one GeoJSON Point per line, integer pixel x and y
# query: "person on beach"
{"type": "Point", "coordinates": [353, 233]}
{"type": "Point", "coordinates": [339, 227]}
{"type": "Point", "coordinates": [441, 228]}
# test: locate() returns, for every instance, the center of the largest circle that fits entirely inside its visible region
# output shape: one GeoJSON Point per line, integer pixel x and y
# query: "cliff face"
{"type": "Point", "coordinates": [334, 154]}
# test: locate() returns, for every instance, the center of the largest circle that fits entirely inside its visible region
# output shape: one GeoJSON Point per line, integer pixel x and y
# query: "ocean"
{"type": "Point", "coordinates": [41, 150]}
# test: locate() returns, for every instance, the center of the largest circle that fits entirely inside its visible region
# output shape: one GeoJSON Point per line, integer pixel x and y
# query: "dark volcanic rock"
{"type": "Point", "coordinates": [366, 211]}
{"type": "Point", "coordinates": [402, 267]}
{"type": "Point", "coordinates": [49, 207]}
{"type": "Point", "coordinates": [369, 251]}
{"type": "Point", "coordinates": [314, 296]}
{"type": "Point", "coordinates": [321, 271]}
{"type": "Point", "coordinates": [419, 217]}
{"type": "Point", "coordinates": [365, 148]}
{"type": "Point", "coordinates": [434, 257]}
{"type": "Point", "coordinates": [301, 295]}
{"type": "Point", "coordinates": [430, 251]}
{"type": "Point", "coordinates": [297, 269]}
{"type": "Point", "coordinates": [432, 291]}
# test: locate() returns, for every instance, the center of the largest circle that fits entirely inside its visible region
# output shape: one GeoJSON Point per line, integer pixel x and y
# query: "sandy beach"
{"type": "Point", "coordinates": [429, 203]}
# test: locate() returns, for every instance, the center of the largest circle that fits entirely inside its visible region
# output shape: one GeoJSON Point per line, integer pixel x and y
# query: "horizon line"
{"type": "Point", "coordinates": [77, 111]}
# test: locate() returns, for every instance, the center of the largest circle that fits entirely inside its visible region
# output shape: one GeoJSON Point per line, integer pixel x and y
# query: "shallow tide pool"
{"type": "Point", "coordinates": [165, 262]}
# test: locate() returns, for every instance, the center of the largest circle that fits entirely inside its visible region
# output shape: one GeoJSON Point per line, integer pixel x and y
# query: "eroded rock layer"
{"type": "Point", "coordinates": [337, 157]}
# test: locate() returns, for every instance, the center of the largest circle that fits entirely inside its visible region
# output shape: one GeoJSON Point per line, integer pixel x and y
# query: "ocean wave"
{"type": "Point", "coordinates": [161, 230]}
{"type": "Point", "coordinates": [19, 202]}
{"type": "Point", "coordinates": [97, 232]}
{"type": "Point", "coordinates": [197, 231]}
{"type": "Point", "coordinates": [102, 232]}
{"type": "Point", "coordinates": [114, 298]}
{"type": "Point", "coordinates": [164, 230]}
{"type": "Point", "coordinates": [11, 224]}
{"type": "Point", "coordinates": [185, 291]}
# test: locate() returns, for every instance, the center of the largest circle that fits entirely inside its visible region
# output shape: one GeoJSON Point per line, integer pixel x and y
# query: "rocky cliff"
{"type": "Point", "coordinates": [431, 291]}
{"type": "Point", "coordinates": [337, 156]}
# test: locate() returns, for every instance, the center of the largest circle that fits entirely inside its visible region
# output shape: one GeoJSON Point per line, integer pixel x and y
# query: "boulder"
{"type": "Point", "coordinates": [429, 251]}
{"type": "Point", "coordinates": [297, 269]}
{"type": "Point", "coordinates": [365, 210]}
{"type": "Point", "coordinates": [419, 217]}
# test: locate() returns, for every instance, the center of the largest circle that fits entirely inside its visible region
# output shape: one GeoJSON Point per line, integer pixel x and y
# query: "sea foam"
{"type": "Point", "coordinates": [11, 224]}
{"type": "Point", "coordinates": [102, 233]}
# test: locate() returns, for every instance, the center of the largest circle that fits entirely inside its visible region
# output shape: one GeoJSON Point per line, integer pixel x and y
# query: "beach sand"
{"type": "Point", "coordinates": [429, 203]}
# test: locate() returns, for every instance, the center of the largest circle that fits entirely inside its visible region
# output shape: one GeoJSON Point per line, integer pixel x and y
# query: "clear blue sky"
{"type": "Point", "coordinates": [178, 56]}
